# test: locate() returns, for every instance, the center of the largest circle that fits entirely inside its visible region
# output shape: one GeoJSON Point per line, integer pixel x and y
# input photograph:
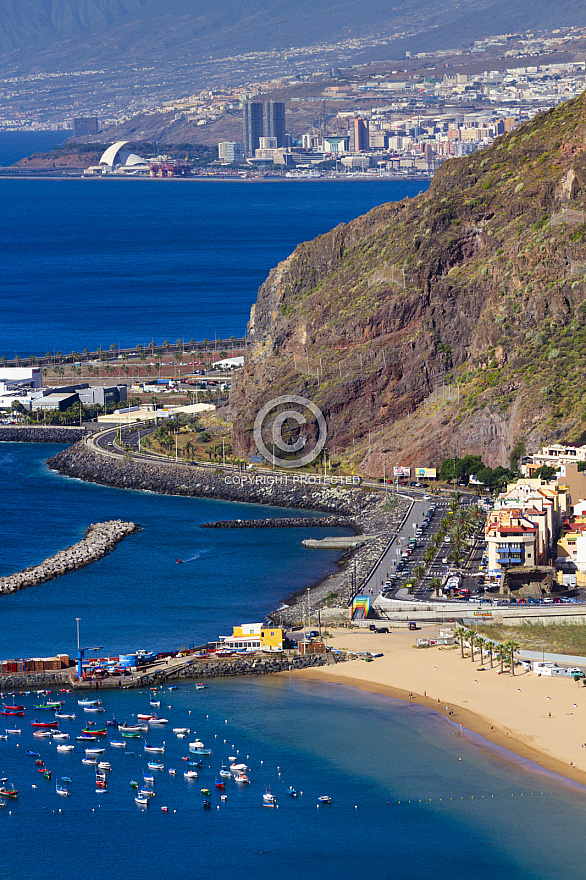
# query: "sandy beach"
{"type": "Point", "coordinates": [539, 718]}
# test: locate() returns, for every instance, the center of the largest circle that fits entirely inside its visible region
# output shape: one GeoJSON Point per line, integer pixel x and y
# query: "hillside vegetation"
{"type": "Point", "coordinates": [452, 323]}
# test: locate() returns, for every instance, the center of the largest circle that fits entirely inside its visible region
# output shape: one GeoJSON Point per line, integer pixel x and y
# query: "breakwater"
{"type": "Point", "coordinates": [246, 666]}
{"type": "Point", "coordinates": [287, 522]}
{"type": "Point", "coordinates": [168, 479]}
{"type": "Point", "coordinates": [100, 539]}
{"type": "Point", "coordinates": [38, 434]}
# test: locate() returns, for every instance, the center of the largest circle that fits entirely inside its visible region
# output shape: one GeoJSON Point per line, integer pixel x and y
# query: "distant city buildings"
{"type": "Point", "coordinates": [84, 125]}
{"type": "Point", "coordinates": [231, 152]}
{"type": "Point", "coordinates": [263, 121]}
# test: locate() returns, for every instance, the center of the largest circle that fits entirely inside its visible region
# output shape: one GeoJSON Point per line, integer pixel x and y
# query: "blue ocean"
{"type": "Point", "coordinates": [87, 264]}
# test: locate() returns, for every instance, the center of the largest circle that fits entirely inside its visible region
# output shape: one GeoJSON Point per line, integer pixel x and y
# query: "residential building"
{"type": "Point", "coordinates": [358, 135]}
{"type": "Point", "coordinates": [231, 152]}
{"type": "Point", "coordinates": [510, 541]}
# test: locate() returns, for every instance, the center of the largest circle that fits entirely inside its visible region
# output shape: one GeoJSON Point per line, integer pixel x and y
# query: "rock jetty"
{"type": "Point", "coordinates": [99, 540]}
{"type": "Point", "coordinates": [250, 666]}
{"type": "Point", "coordinates": [38, 434]}
{"type": "Point", "coordinates": [286, 522]}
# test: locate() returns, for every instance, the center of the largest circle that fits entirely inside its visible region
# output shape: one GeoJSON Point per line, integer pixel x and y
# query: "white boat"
{"type": "Point", "coordinates": [40, 734]}
{"type": "Point", "coordinates": [16, 730]}
{"type": "Point", "coordinates": [190, 774]}
{"type": "Point", "coordinates": [146, 717]}
{"type": "Point", "coordinates": [104, 765]}
{"type": "Point", "coordinates": [92, 761]}
{"type": "Point", "coordinates": [269, 798]}
{"type": "Point", "coordinates": [172, 771]}
{"type": "Point", "coordinates": [225, 773]}
{"type": "Point", "coordinates": [196, 745]}
{"type": "Point", "coordinates": [155, 702]}
{"type": "Point", "coordinates": [158, 721]}
{"type": "Point", "coordinates": [152, 765]}
{"type": "Point", "coordinates": [61, 790]}
{"type": "Point", "coordinates": [86, 702]}
{"type": "Point", "coordinates": [65, 717]}
{"type": "Point", "coordinates": [181, 735]}
{"type": "Point", "coordinates": [241, 777]}
{"type": "Point", "coordinates": [155, 749]}
{"type": "Point", "coordinates": [95, 751]}
{"type": "Point", "coordinates": [146, 792]}
{"type": "Point", "coordinates": [117, 745]}
{"type": "Point", "coordinates": [325, 799]}
{"type": "Point", "coordinates": [101, 790]}
{"type": "Point", "coordinates": [181, 730]}
{"type": "Point", "coordinates": [238, 768]}
{"type": "Point", "coordinates": [61, 737]}
{"type": "Point", "coordinates": [65, 748]}
{"type": "Point", "coordinates": [93, 709]}
{"type": "Point", "coordinates": [141, 801]}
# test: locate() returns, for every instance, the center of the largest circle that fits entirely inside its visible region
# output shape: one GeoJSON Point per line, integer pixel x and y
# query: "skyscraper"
{"type": "Point", "coordinates": [358, 133]}
{"type": "Point", "coordinates": [274, 121]}
{"type": "Point", "coordinates": [252, 126]}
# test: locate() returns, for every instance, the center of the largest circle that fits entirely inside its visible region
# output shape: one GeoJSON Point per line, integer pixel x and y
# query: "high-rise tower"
{"type": "Point", "coordinates": [274, 121]}
{"type": "Point", "coordinates": [252, 126]}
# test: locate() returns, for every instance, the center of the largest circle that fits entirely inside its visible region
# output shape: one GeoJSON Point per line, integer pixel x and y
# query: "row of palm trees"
{"type": "Point", "coordinates": [503, 652]}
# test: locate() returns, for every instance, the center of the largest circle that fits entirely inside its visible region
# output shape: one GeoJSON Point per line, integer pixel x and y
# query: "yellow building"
{"type": "Point", "coordinates": [255, 637]}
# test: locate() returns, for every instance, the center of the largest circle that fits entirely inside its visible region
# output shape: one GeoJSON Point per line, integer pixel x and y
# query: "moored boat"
{"type": "Point", "coordinates": [324, 799]}
{"type": "Point", "coordinates": [65, 748]}
{"type": "Point", "coordinates": [11, 792]}
{"type": "Point", "coordinates": [141, 801]}
{"type": "Point", "coordinates": [88, 702]}
{"type": "Point", "coordinates": [154, 749]}
{"type": "Point", "coordinates": [62, 790]}
{"type": "Point", "coordinates": [117, 744]}
{"type": "Point", "coordinates": [53, 725]}
{"type": "Point", "coordinates": [152, 765]}
{"type": "Point", "coordinates": [190, 774]}
{"type": "Point", "coordinates": [292, 792]}
{"type": "Point", "coordinates": [241, 777]}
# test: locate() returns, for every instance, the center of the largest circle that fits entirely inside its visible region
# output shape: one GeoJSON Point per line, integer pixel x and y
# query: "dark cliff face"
{"type": "Point", "coordinates": [446, 324]}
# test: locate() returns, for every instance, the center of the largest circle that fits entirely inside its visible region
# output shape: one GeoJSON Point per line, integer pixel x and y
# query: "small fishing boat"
{"type": "Point", "coordinates": [11, 792]}
{"type": "Point", "coordinates": [206, 792]}
{"type": "Point", "coordinates": [66, 779]}
{"type": "Point", "coordinates": [56, 705]}
{"type": "Point", "coordinates": [93, 731]}
{"type": "Point", "coordinates": [200, 751]}
{"type": "Point", "coordinates": [112, 723]}
{"type": "Point", "coordinates": [225, 773]}
{"type": "Point", "coordinates": [118, 744]}
{"type": "Point", "coordinates": [130, 734]}
{"type": "Point", "coordinates": [132, 728]}
{"type": "Point", "coordinates": [197, 744]}
{"type": "Point", "coordinates": [101, 780]}
{"type": "Point", "coordinates": [47, 774]}
{"type": "Point", "coordinates": [190, 774]}
{"type": "Point", "coordinates": [65, 748]}
{"type": "Point", "coordinates": [164, 809]}
{"type": "Point", "coordinates": [173, 687]}
{"type": "Point", "coordinates": [292, 792]}
{"type": "Point", "coordinates": [181, 730]}
{"type": "Point", "coordinates": [143, 717]}
{"type": "Point", "coordinates": [154, 749]}
{"type": "Point", "coordinates": [65, 717]}
{"type": "Point", "coordinates": [33, 754]}
{"type": "Point", "coordinates": [93, 709]}
{"type": "Point", "coordinates": [86, 737]}
{"type": "Point", "coordinates": [146, 792]}
{"type": "Point", "coordinates": [141, 801]}
{"type": "Point", "coordinates": [154, 722]}
{"type": "Point", "coordinates": [155, 703]}
{"type": "Point", "coordinates": [60, 737]}
{"type": "Point", "coordinates": [101, 791]}
{"type": "Point", "coordinates": [95, 751]}
{"type": "Point", "coordinates": [220, 784]}
{"type": "Point", "coordinates": [238, 768]}
{"type": "Point", "coordinates": [14, 731]}
{"type": "Point", "coordinates": [49, 725]}
{"type": "Point", "coordinates": [42, 734]}
{"type": "Point", "coordinates": [207, 805]}
{"type": "Point", "coordinates": [104, 765]}
{"type": "Point", "coordinates": [11, 714]}
{"type": "Point", "coordinates": [87, 702]}
{"type": "Point", "coordinates": [242, 778]}
{"type": "Point", "coordinates": [133, 784]}
{"type": "Point", "coordinates": [62, 790]}
{"type": "Point", "coordinates": [200, 686]}
{"type": "Point", "coordinates": [155, 766]}
{"type": "Point", "coordinates": [148, 778]}
{"type": "Point", "coordinates": [172, 771]}
{"type": "Point", "coordinates": [269, 798]}
{"type": "Point", "coordinates": [197, 764]}
{"type": "Point", "coordinates": [91, 761]}
{"type": "Point", "coordinates": [13, 708]}
{"type": "Point", "coordinates": [223, 797]}
{"type": "Point", "coordinates": [324, 799]}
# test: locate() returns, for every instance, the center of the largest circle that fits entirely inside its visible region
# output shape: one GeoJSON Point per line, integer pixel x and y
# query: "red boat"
{"type": "Point", "coordinates": [11, 714]}
{"type": "Point", "coordinates": [13, 708]}
{"type": "Point", "coordinates": [52, 724]}
{"type": "Point", "coordinates": [94, 732]}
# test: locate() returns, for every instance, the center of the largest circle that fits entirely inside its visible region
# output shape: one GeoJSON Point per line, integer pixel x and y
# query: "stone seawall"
{"type": "Point", "coordinates": [167, 479]}
{"type": "Point", "coordinates": [287, 522]}
{"type": "Point", "coordinates": [99, 540]}
{"type": "Point", "coordinates": [249, 666]}
{"type": "Point", "coordinates": [50, 434]}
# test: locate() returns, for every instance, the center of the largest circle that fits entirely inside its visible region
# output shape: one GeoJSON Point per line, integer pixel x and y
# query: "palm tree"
{"type": "Point", "coordinates": [471, 636]}
{"type": "Point", "coordinates": [481, 642]}
{"type": "Point", "coordinates": [492, 651]}
{"type": "Point", "coordinates": [510, 647]}
{"type": "Point", "coordinates": [460, 633]}
{"type": "Point", "coordinates": [436, 584]}
{"type": "Point", "coordinates": [501, 655]}
{"type": "Point", "coordinates": [419, 571]}
{"type": "Point", "coordinates": [428, 555]}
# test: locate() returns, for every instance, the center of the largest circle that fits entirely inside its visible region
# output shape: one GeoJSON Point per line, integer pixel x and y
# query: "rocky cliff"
{"type": "Point", "coordinates": [448, 324]}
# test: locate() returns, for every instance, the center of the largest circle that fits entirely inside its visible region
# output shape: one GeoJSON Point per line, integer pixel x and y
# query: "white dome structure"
{"type": "Point", "coordinates": [116, 157]}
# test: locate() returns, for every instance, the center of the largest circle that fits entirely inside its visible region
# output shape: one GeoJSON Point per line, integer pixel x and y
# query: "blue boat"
{"type": "Point", "coordinates": [34, 754]}
{"type": "Point", "coordinates": [292, 792]}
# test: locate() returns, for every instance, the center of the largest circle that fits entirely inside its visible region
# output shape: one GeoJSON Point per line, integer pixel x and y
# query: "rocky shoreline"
{"type": "Point", "coordinates": [100, 539]}
{"type": "Point", "coordinates": [287, 522]}
{"type": "Point", "coordinates": [48, 434]}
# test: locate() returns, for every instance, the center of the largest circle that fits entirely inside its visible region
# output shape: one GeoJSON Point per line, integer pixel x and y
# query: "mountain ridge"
{"type": "Point", "coordinates": [493, 308]}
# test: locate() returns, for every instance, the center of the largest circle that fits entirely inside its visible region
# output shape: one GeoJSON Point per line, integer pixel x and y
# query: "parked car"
{"type": "Point", "coordinates": [412, 624]}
